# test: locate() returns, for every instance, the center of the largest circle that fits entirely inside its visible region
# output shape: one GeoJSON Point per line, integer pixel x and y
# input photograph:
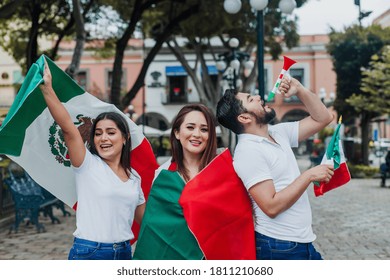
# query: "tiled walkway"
{"type": "Point", "coordinates": [351, 223]}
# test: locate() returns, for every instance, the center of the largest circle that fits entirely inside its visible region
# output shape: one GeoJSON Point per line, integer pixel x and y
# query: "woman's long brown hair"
{"type": "Point", "coordinates": [177, 149]}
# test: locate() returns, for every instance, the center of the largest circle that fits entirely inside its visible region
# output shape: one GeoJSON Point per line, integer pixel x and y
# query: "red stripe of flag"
{"type": "Point", "coordinates": [218, 212]}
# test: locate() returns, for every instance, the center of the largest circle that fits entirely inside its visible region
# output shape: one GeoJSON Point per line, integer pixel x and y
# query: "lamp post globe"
{"type": "Point", "coordinates": [235, 64]}
{"type": "Point", "coordinates": [249, 65]}
{"type": "Point", "coordinates": [258, 4]}
{"type": "Point", "coordinates": [322, 94]}
{"type": "Point", "coordinates": [221, 65]}
{"type": "Point", "coordinates": [232, 6]}
{"type": "Point", "coordinates": [239, 83]}
{"type": "Point", "coordinates": [287, 6]}
{"type": "Point", "coordinates": [234, 43]}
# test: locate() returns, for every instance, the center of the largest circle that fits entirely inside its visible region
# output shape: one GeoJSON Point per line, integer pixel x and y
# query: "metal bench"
{"type": "Point", "coordinates": [30, 199]}
{"type": "Point", "coordinates": [49, 202]}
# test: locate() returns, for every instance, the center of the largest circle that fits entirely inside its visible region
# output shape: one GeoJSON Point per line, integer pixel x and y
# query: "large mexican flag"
{"type": "Point", "coordinates": [31, 138]}
{"type": "Point", "coordinates": [209, 217]}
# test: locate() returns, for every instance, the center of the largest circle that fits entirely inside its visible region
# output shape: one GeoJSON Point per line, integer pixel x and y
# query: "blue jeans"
{"type": "Point", "coordinates": [268, 248]}
{"type": "Point", "coordinates": [89, 250]}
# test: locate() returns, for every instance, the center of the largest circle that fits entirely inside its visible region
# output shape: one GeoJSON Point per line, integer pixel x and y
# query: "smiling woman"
{"type": "Point", "coordinates": [111, 141]}
{"type": "Point", "coordinates": [194, 145]}
{"type": "Point", "coordinates": [197, 204]}
{"type": "Point", "coordinates": [109, 194]}
{"type": "Point", "coordinates": [193, 140]}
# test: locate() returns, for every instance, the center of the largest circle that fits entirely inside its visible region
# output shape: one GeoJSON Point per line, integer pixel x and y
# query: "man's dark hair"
{"type": "Point", "coordinates": [228, 109]}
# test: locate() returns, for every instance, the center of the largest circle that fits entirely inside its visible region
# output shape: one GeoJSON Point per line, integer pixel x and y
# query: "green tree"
{"type": "Point", "coordinates": [207, 19]}
{"type": "Point", "coordinates": [24, 23]}
{"type": "Point", "coordinates": [130, 13]}
{"type": "Point", "coordinates": [164, 18]}
{"type": "Point", "coordinates": [279, 30]}
{"type": "Point", "coordinates": [80, 38]}
{"type": "Point", "coordinates": [375, 87]}
{"type": "Point", "coordinates": [351, 51]}
{"type": "Point", "coordinates": [7, 9]}
{"type": "Point", "coordinates": [160, 15]}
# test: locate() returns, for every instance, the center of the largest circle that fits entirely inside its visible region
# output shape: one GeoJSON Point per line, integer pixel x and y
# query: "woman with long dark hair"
{"type": "Point", "coordinates": [164, 233]}
{"type": "Point", "coordinates": [193, 140]}
{"type": "Point", "coordinates": [109, 194]}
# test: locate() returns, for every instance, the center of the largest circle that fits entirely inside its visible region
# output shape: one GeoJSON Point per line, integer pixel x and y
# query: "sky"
{"type": "Point", "coordinates": [316, 16]}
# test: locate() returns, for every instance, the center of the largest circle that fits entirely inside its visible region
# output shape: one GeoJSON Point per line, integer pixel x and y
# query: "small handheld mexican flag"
{"type": "Point", "coordinates": [334, 155]}
{"type": "Point", "coordinates": [31, 138]}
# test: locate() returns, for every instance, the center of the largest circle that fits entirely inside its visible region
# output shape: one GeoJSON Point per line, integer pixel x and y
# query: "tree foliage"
{"type": "Point", "coordinates": [30, 21]}
{"type": "Point", "coordinates": [25, 24]}
{"type": "Point", "coordinates": [210, 20]}
{"type": "Point", "coordinates": [163, 19]}
{"type": "Point", "coordinates": [351, 52]}
{"type": "Point", "coordinates": [375, 86]}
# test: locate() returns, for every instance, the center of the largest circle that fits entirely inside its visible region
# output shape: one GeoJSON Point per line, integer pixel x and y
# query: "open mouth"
{"type": "Point", "coordinates": [105, 147]}
{"type": "Point", "coordinates": [195, 142]}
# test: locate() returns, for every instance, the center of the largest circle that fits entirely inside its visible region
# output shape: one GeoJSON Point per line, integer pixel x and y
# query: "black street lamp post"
{"type": "Point", "coordinates": [260, 53]}
{"type": "Point", "coordinates": [234, 6]}
{"type": "Point", "coordinates": [362, 14]}
{"type": "Point", "coordinates": [229, 64]}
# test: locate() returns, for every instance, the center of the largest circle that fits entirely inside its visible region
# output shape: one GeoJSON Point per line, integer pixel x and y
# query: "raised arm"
{"type": "Point", "coordinates": [73, 139]}
{"type": "Point", "coordinates": [319, 117]}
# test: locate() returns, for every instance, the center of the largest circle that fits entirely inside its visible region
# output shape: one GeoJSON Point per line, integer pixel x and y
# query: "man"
{"type": "Point", "coordinates": [265, 162]}
{"type": "Point", "coordinates": [385, 167]}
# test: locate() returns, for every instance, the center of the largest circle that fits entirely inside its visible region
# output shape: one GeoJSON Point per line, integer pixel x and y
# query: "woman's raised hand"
{"type": "Point", "coordinates": [47, 79]}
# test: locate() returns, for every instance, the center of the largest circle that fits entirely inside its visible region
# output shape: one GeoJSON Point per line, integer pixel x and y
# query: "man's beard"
{"type": "Point", "coordinates": [266, 118]}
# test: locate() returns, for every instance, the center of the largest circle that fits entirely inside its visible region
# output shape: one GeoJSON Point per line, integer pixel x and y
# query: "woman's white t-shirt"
{"type": "Point", "coordinates": [105, 204]}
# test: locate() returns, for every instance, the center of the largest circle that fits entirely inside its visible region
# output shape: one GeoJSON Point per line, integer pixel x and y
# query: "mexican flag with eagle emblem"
{"type": "Point", "coordinates": [31, 138]}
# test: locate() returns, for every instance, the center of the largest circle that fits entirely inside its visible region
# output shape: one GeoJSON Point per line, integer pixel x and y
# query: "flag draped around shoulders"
{"type": "Point", "coordinates": [334, 155]}
{"type": "Point", "coordinates": [30, 136]}
{"type": "Point", "coordinates": [218, 212]}
{"type": "Point", "coordinates": [164, 234]}
{"type": "Point", "coordinates": [210, 216]}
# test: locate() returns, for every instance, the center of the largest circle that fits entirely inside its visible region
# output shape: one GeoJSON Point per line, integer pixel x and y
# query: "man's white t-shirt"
{"type": "Point", "coordinates": [257, 159]}
{"type": "Point", "coordinates": [105, 204]}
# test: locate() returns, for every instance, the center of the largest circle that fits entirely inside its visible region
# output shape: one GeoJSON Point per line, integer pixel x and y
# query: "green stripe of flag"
{"type": "Point", "coordinates": [333, 149]}
{"type": "Point", "coordinates": [164, 233]}
{"type": "Point", "coordinates": [29, 104]}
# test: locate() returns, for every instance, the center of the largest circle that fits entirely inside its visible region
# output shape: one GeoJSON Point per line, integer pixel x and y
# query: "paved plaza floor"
{"type": "Point", "coordinates": [351, 223]}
